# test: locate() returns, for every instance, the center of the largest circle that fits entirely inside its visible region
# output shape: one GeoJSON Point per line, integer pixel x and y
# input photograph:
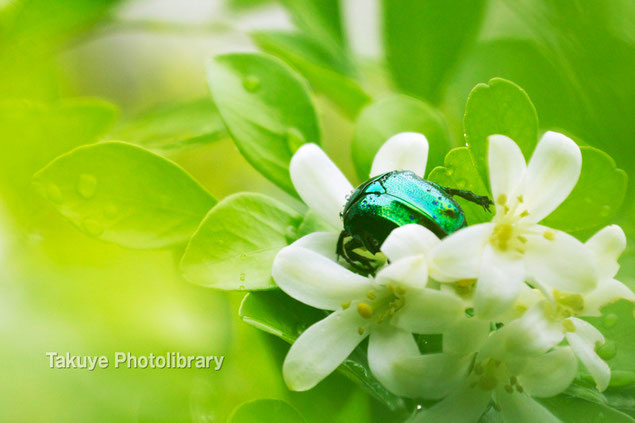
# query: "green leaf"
{"type": "Point", "coordinates": [174, 126]}
{"type": "Point", "coordinates": [280, 315]}
{"type": "Point", "coordinates": [33, 134]}
{"type": "Point", "coordinates": [327, 69]}
{"type": "Point", "coordinates": [597, 196]}
{"type": "Point", "coordinates": [266, 109]}
{"type": "Point", "coordinates": [618, 325]}
{"type": "Point", "coordinates": [269, 409]}
{"type": "Point", "coordinates": [319, 18]}
{"type": "Point", "coordinates": [236, 243]}
{"type": "Point", "coordinates": [459, 172]}
{"type": "Point", "coordinates": [391, 115]}
{"type": "Point", "coordinates": [124, 194]}
{"type": "Point", "coordinates": [425, 39]}
{"type": "Point", "coordinates": [499, 107]}
{"type": "Point", "coordinates": [576, 410]}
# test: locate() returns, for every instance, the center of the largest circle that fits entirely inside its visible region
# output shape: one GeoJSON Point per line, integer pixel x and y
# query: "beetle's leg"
{"type": "Point", "coordinates": [339, 249]}
{"type": "Point", "coordinates": [359, 262]}
{"type": "Point", "coordinates": [481, 200]}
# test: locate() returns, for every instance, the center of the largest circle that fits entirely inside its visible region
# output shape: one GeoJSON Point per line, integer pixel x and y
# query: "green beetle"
{"type": "Point", "coordinates": [394, 199]}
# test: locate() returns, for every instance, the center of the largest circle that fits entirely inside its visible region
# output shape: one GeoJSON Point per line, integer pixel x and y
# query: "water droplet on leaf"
{"type": "Point", "coordinates": [54, 194]}
{"type": "Point", "coordinates": [242, 277]}
{"type": "Point", "coordinates": [607, 351]}
{"type": "Point", "coordinates": [605, 211]}
{"type": "Point", "coordinates": [251, 83]}
{"type": "Point", "coordinates": [86, 185]}
{"type": "Point", "coordinates": [93, 227]}
{"type": "Point", "coordinates": [610, 320]}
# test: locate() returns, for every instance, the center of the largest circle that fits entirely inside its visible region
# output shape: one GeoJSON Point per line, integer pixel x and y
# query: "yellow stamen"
{"type": "Point", "coordinates": [466, 283]}
{"type": "Point", "coordinates": [371, 295]}
{"type": "Point", "coordinates": [524, 214]}
{"type": "Point", "coordinates": [346, 304]}
{"type": "Point", "coordinates": [360, 330]}
{"type": "Point", "coordinates": [365, 310]}
{"type": "Point", "coordinates": [502, 199]}
{"type": "Point", "coordinates": [549, 235]}
{"type": "Point", "coordinates": [568, 325]}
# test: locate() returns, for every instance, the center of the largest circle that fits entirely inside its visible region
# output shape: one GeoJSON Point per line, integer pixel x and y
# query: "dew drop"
{"type": "Point", "coordinates": [86, 185]}
{"type": "Point", "coordinates": [608, 350]}
{"type": "Point", "coordinates": [54, 194]}
{"type": "Point", "coordinates": [450, 171]}
{"type": "Point", "coordinates": [242, 287]}
{"type": "Point", "coordinates": [294, 138]}
{"type": "Point", "coordinates": [243, 256]}
{"type": "Point", "coordinates": [599, 418]}
{"type": "Point", "coordinates": [242, 277]}
{"type": "Point", "coordinates": [93, 227]}
{"type": "Point", "coordinates": [610, 320]}
{"type": "Point", "coordinates": [605, 211]}
{"type": "Point", "coordinates": [251, 83]}
{"type": "Point", "coordinates": [110, 211]}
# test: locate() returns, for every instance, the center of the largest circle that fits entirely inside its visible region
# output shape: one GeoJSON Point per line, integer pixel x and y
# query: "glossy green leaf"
{"type": "Point", "coordinates": [124, 194]}
{"type": "Point", "coordinates": [280, 315]}
{"type": "Point", "coordinates": [597, 196]}
{"type": "Point", "coordinates": [398, 113]}
{"type": "Point", "coordinates": [618, 325]}
{"type": "Point", "coordinates": [425, 39]}
{"type": "Point", "coordinates": [459, 172]}
{"type": "Point", "coordinates": [266, 109]}
{"type": "Point", "coordinates": [576, 410]}
{"type": "Point", "coordinates": [268, 409]}
{"type": "Point", "coordinates": [174, 126]}
{"type": "Point", "coordinates": [499, 107]}
{"type": "Point", "coordinates": [235, 245]}
{"type": "Point", "coordinates": [327, 69]}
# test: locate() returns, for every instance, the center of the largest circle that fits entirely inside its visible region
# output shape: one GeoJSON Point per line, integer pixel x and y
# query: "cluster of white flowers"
{"type": "Point", "coordinates": [505, 295]}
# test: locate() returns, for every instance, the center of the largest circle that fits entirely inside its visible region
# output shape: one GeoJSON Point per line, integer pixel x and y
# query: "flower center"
{"type": "Point", "coordinates": [379, 306]}
{"type": "Point", "coordinates": [488, 374]}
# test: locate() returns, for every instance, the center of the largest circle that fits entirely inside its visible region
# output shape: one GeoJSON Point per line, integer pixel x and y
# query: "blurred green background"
{"type": "Point", "coordinates": [78, 71]}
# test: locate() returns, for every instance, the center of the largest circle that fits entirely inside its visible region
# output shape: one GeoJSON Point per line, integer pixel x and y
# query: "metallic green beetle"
{"type": "Point", "coordinates": [394, 199]}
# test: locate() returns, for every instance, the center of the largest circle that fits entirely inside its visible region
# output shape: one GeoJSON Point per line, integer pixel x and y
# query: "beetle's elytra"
{"type": "Point", "coordinates": [394, 199]}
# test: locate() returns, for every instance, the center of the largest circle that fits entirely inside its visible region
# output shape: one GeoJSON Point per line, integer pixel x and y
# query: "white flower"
{"type": "Point", "coordinates": [381, 307]}
{"type": "Point", "coordinates": [554, 318]}
{"type": "Point", "coordinates": [513, 247]}
{"type": "Point", "coordinates": [510, 381]}
{"type": "Point", "coordinates": [324, 188]}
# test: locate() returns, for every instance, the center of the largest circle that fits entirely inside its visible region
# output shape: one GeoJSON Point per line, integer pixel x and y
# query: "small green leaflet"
{"type": "Point", "coordinates": [266, 109]}
{"type": "Point", "coordinates": [499, 107]}
{"type": "Point", "coordinates": [124, 194]}
{"type": "Point", "coordinates": [235, 245]}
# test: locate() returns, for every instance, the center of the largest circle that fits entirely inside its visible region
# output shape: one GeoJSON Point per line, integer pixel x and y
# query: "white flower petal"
{"type": "Point", "coordinates": [607, 292]}
{"type": "Point", "coordinates": [583, 342]}
{"type": "Point", "coordinates": [533, 334]}
{"type": "Point", "coordinates": [321, 348]}
{"type": "Point", "coordinates": [498, 284]}
{"type": "Point", "coordinates": [506, 167]}
{"type": "Point", "coordinates": [562, 262]}
{"type": "Point", "coordinates": [607, 246]}
{"type": "Point", "coordinates": [320, 184]}
{"type": "Point", "coordinates": [324, 243]}
{"type": "Point", "coordinates": [551, 174]}
{"type": "Point", "coordinates": [459, 255]}
{"type": "Point", "coordinates": [409, 240]}
{"type": "Point", "coordinates": [386, 347]}
{"type": "Point", "coordinates": [521, 408]}
{"type": "Point", "coordinates": [549, 374]}
{"type": "Point", "coordinates": [403, 151]}
{"type": "Point", "coordinates": [410, 272]}
{"type": "Point", "coordinates": [466, 336]}
{"type": "Point", "coordinates": [464, 405]}
{"type": "Point", "coordinates": [432, 376]}
{"type": "Point", "coordinates": [316, 280]}
{"type": "Point", "coordinates": [428, 311]}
